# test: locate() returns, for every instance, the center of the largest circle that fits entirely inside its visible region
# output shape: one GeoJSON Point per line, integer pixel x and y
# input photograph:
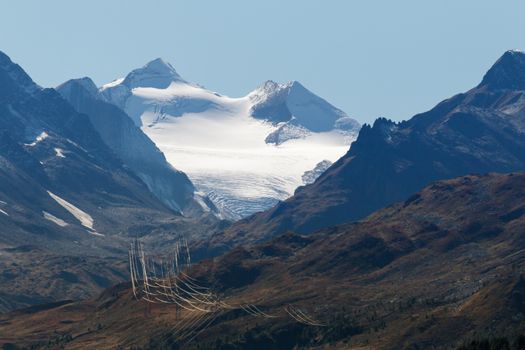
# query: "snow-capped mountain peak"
{"type": "Point", "coordinates": [292, 102]}
{"type": "Point", "coordinates": [156, 74]}
{"type": "Point", "coordinates": [265, 89]}
{"type": "Point", "coordinates": [245, 153]}
{"type": "Point", "coordinates": [270, 89]}
{"type": "Point", "coordinates": [160, 66]}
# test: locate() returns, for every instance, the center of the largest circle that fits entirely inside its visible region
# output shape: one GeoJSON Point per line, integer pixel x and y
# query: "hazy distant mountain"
{"type": "Point", "coordinates": [244, 153]}
{"type": "Point", "coordinates": [51, 148]}
{"type": "Point", "coordinates": [131, 145]}
{"type": "Point", "coordinates": [291, 104]}
{"type": "Point", "coordinates": [66, 197]}
{"type": "Point", "coordinates": [482, 130]}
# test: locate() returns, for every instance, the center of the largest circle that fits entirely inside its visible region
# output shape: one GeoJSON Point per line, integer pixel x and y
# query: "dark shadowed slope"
{"type": "Point", "coordinates": [136, 150]}
{"type": "Point", "coordinates": [444, 266]}
{"type": "Point", "coordinates": [479, 131]}
{"type": "Point", "coordinates": [51, 155]}
{"type": "Point", "coordinates": [63, 194]}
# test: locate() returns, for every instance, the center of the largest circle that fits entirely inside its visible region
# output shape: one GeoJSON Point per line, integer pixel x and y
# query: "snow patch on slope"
{"type": "Point", "coordinates": [3, 211]}
{"type": "Point", "coordinates": [54, 219]}
{"type": "Point", "coordinates": [113, 83]}
{"type": "Point", "coordinates": [227, 158]}
{"type": "Point", "coordinates": [85, 219]}
{"type": "Point", "coordinates": [59, 152]}
{"type": "Point", "coordinates": [41, 137]}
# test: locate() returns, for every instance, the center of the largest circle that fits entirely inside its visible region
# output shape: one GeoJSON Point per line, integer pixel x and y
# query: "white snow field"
{"type": "Point", "coordinates": [59, 152]}
{"type": "Point", "coordinates": [41, 137]}
{"type": "Point", "coordinates": [54, 219]}
{"type": "Point", "coordinates": [85, 219]}
{"type": "Point", "coordinates": [219, 143]}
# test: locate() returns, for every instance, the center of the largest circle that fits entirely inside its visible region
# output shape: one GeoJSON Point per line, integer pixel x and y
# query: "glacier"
{"type": "Point", "coordinates": [244, 153]}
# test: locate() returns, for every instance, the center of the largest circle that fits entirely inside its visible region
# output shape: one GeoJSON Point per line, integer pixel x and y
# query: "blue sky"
{"type": "Point", "coordinates": [370, 58]}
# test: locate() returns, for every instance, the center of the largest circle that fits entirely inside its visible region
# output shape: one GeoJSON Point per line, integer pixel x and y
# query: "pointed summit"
{"type": "Point", "coordinates": [84, 83]}
{"type": "Point", "coordinates": [292, 102]}
{"type": "Point", "coordinates": [267, 90]}
{"type": "Point", "coordinates": [294, 84]}
{"type": "Point", "coordinates": [12, 76]}
{"type": "Point", "coordinates": [508, 73]}
{"type": "Point", "coordinates": [157, 74]}
{"type": "Point", "coordinates": [272, 87]}
{"type": "Point", "coordinates": [268, 86]}
{"type": "Point", "coordinates": [161, 67]}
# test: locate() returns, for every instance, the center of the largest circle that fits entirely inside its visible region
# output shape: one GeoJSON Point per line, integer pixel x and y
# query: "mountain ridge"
{"type": "Point", "coordinates": [119, 132]}
{"type": "Point", "coordinates": [507, 72]}
{"type": "Point", "coordinates": [479, 131]}
{"type": "Point", "coordinates": [221, 141]}
{"type": "Point", "coordinates": [449, 260]}
{"type": "Point", "coordinates": [66, 198]}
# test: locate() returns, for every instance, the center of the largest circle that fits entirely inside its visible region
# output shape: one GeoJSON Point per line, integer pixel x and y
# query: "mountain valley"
{"type": "Point", "coordinates": [401, 278]}
{"type": "Point", "coordinates": [480, 131]}
{"type": "Point", "coordinates": [152, 213]}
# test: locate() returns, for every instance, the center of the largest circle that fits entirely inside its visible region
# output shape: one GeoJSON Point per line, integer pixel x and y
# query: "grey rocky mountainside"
{"type": "Point", "coordinates": [68, 204]}
{"type": "Point", "coordinates": [310, 176]}
{"type": "Point", "coordinates": [479, 131]}
{"type": "Point", "coordinates": [298, 112]}
{"type": "Point", "coordinates": [135, 149]}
